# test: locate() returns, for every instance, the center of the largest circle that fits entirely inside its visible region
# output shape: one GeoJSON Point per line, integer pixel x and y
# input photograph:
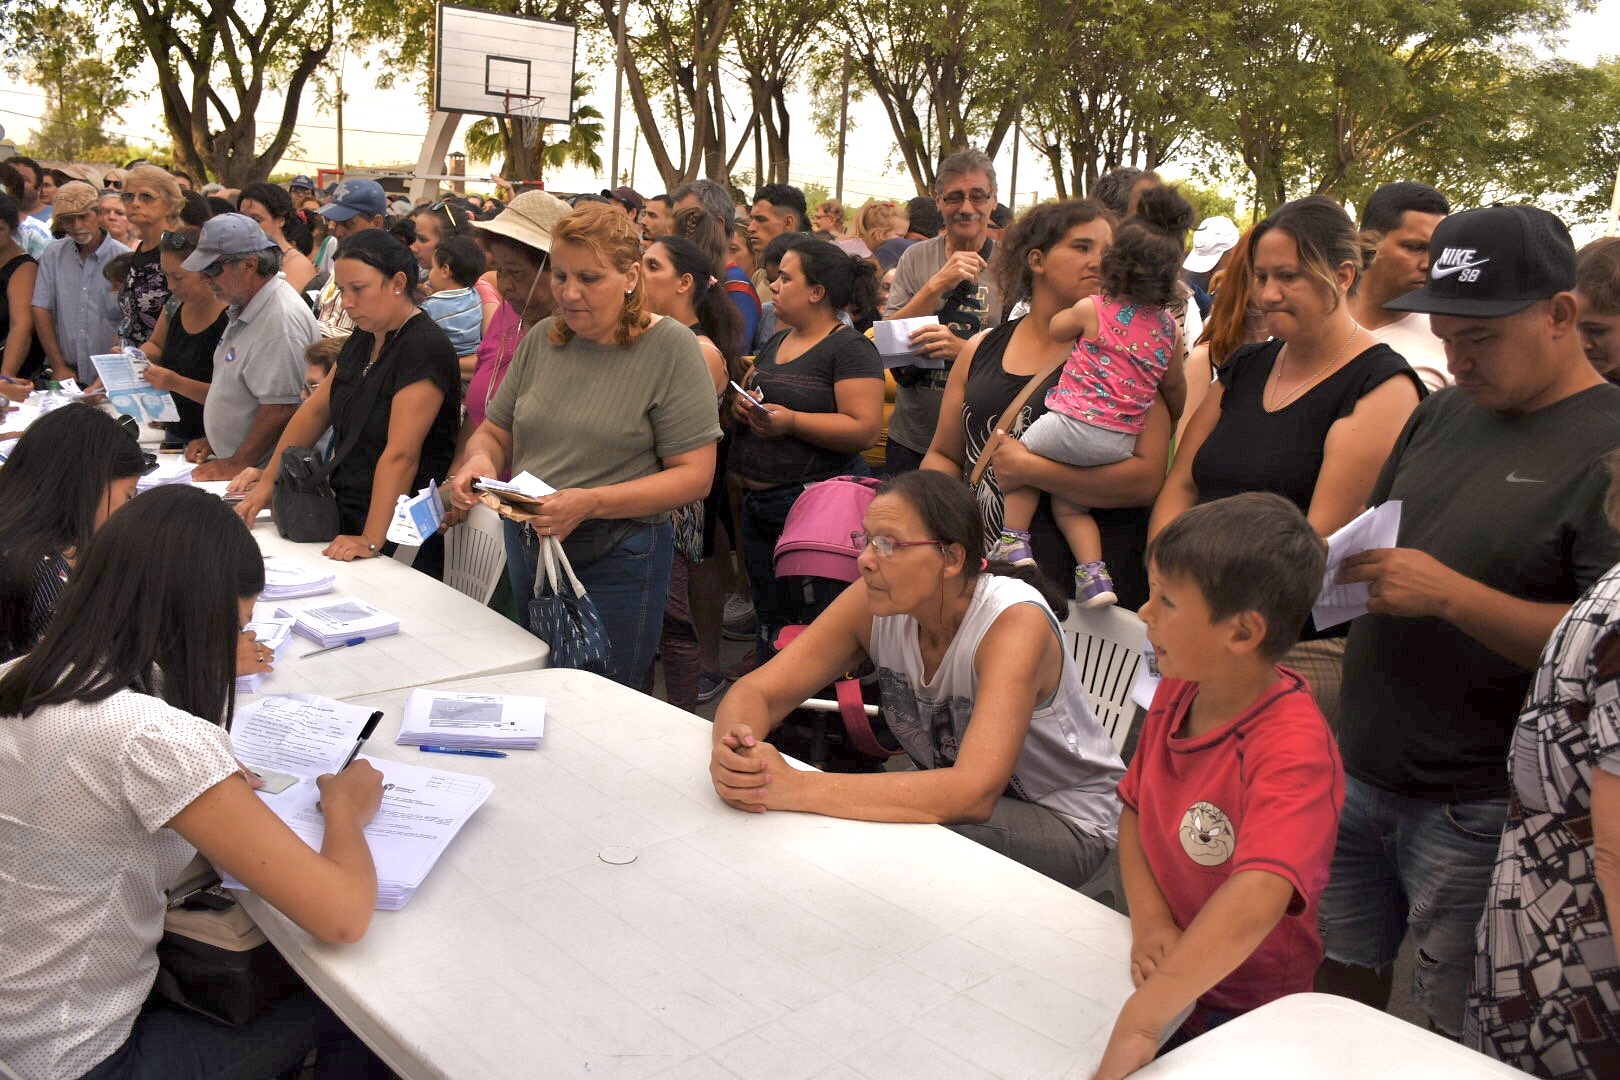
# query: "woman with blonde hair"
{"type": "Point", "coordinates": [152, 201]}
{"type": "Point", "coordinates": [613, 406]}
{"type": "Point", "coordinates": [876, 222]}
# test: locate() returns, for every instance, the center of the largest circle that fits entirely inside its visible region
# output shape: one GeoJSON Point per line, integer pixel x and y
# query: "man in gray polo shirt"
{"type": "Point", "coordinates": [259, 362]}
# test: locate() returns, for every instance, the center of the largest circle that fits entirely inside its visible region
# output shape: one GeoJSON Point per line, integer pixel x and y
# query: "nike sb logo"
{"type": "Point", "coordinates": [1514, 478]}
{"type": "Point", "coordinates": [1458, 261]}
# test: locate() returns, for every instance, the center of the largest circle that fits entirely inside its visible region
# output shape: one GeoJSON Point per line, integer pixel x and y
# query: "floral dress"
{"type": "Point", "coordinates": [1546, 993]}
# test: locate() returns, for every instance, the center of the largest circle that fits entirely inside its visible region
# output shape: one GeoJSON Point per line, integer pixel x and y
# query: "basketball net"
{"type": "Point", "coordinates": [523, 113]}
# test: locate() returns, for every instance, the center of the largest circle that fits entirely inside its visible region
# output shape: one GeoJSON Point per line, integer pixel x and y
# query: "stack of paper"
{"type": "Point", "coordinates": [893, 340]}
{"type": "Point", "coordinates": [335, 622]}
{"type": "Point", "coordinates": [287, 577]}
{"type": "Point", "coordinates": [275, 635]}
{"type": "Point", "coordinates": [1378, 527]}
{"type": "Point", "coordinates": [487, 721]}
{"type": "Point", "coordinates": [299, 737]}
{"type": "Point", "coordinates": [171, 469]}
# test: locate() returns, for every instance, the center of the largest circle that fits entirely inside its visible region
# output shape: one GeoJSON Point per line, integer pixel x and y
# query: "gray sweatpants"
{"type": "Point", "coordinates": [1040, 839]}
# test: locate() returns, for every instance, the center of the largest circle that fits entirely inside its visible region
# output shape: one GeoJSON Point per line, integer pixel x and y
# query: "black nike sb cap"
{"type": "Point", "coordinates": [1494, 261]}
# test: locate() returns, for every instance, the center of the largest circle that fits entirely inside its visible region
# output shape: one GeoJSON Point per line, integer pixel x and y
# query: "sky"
{"type": "Point", "coordinates": [387, 127]}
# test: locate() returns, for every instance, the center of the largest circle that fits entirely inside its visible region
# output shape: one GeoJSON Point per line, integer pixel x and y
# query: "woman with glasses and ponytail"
{"type": "Point", "coordinates": [977, 688]}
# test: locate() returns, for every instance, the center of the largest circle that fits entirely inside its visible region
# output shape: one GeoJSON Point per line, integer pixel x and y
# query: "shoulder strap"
{"type": "Point", "coordinates": [1011, 410]}
{"type": "Point", "coordinates": [363, 404]}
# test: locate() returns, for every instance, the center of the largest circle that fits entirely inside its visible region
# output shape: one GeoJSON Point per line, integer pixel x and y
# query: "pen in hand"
{"type": "Point", "coordinates": [365, 733]}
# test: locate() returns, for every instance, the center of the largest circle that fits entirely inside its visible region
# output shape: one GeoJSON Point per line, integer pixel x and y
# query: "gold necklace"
{"type": "Point", "coordinates": [1276, 372]}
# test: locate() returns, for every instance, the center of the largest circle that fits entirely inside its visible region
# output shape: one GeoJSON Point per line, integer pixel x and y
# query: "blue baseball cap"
{"type": "Point", "coordinates": [301, 182]}
{"type": "Point", "coordinates": [354, 197]}
{"type": "Point", "coordinates": [223, 236]}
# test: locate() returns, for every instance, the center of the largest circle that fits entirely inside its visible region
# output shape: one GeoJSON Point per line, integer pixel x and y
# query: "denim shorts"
{"type": "Point", "coordinates": [1406, 865]}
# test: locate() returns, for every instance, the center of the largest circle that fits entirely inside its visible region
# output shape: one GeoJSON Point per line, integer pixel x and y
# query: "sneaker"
{"type": "Point", "coordinates": [710, 683]}
{"type": "Point", "coordinates": [1012, 547]}
{"type": "Point", "coordinates": [741, 624]}
{"type": "Point", "coordinates": [1093, 586]}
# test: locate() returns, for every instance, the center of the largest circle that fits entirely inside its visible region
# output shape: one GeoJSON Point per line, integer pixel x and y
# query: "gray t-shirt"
{"type": "Point", "coordinates": [586, 415]}
{"type": "Point", "coordinates": [970, 307]}
{"type": "Point", "coordinates": [259, 361]}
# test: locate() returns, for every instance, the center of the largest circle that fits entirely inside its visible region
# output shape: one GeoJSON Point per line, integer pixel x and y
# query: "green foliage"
{"type": "Point", "coordinates": [55, 51]}
{"type": "Point", "coordinates": [814, 195]}
{"type": "Point", "coordinates": [494, 138]}
{"type": "Point", "coordinates": [1209, 202]}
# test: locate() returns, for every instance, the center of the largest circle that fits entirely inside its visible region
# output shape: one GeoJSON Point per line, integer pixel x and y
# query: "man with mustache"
{"type": "Point", "coordinates": [75, 314]}
{"type": "Point", "coordinates": [948, 276]}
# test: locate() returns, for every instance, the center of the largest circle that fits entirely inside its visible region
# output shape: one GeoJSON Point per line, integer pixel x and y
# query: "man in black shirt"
{"type": "Point", "coordinates": [1501, 481]}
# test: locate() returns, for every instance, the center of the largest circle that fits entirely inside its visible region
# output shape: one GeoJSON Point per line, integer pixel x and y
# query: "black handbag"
{"type": "Point", "coordinates": [212, 959]}
{"type": "Point", "coordinates": [303, 502]}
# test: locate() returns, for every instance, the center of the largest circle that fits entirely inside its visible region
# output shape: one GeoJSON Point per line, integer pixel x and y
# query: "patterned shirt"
{"type": "Point", "coordinates": [141, 301]}
{"type": "Point", "coordinates": [1546, 973]}
{"type": "Point", "coordinates": [1110, 379]}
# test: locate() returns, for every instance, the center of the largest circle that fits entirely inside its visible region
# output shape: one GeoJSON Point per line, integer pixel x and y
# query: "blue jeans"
{"type": "Point", "coordinates": [778, 602]}
{"type": "Point", "coordinates": [169, 1043]}
{"type": "Point", "coordinates": [1406, 865]}
{"type": "Point", "coordinates": [629, 585]}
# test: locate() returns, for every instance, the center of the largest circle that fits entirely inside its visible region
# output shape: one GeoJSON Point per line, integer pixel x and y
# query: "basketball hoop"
{"type": "Point", "coordinates": [523, 112]}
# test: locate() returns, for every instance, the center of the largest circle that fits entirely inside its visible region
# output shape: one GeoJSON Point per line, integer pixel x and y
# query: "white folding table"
{"type": "Point", "coordinates": [734, 945]}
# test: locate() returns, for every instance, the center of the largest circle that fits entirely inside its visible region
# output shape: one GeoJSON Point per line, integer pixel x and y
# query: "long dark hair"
{"type": "Point", "coordinates": [1040, 229]}
{"type": "Point", "coordinates": [279, 205]}
{"type": "Point", "coordinates": [718, 316]}
{"type": "Point", "coordinates": [51, 491]}
{"type": "Point", "coordinates": [383, 252]}
{"type": "Point", "coordinates": [152, 607]}
{"type": "Point", "coordinates": [846, 279]}
{"type": "Point", "coordinates": [950, 514]}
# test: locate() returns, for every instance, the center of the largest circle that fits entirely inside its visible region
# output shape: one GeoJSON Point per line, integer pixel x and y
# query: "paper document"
{"type": "Point", "coordinates": [417, 517]}
{"type": "Point", "coordinates": [422, 811]}
{"type": "Point", "coordinates": [751, 399]}
{"type": "Point", "coordinates": [332, 622]}
{"type": "Point", "coordinates": [1376, 528]}
{"type": "Point", "coordinates": [302, 734]}
{"type": "Point", "coordinates": [124, 379]}
{"type": "Point", "coordinates": [524, 483]}
{"type": "Point", "coordinates": [489, 721]}
{"type": "Point", "coordinates": [275, 635]}
{"type": "Point", "coordinates": [893, 340]}
{"type": "Point", "coordinates": [287, 577]}
{"type": "Point", "coordinates": [171, 469]}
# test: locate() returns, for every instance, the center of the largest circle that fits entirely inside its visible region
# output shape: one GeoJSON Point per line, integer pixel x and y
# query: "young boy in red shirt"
{"type": "Point", "coordinates": [1232, 800]}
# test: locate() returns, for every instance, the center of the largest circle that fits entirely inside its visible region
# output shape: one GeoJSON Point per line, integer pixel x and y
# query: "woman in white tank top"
{"type": "Point", "coordinates": [976, 687]}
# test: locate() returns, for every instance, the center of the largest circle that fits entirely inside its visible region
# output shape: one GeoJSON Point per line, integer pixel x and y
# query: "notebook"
{"type": "Point", "coordinates": [334, 622]}
{"type": "Point", "coordinates": [287, 577]}
{"type": "Point", "coordinates": [485, 721]}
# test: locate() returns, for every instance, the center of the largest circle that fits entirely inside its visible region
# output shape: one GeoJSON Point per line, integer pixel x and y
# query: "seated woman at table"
{"type": "Point", "coordinates": [613, 406]}
{"type": "Point", "coordinates": [397, 381]}
{"type": "Point", "coordinates": [70, 470]}
{"type": "Point", "coordinates": [977, 687]}
{"type": "Point", "coordinates": [114, 770]}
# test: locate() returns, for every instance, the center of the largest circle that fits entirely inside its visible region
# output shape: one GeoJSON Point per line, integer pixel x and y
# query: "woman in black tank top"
{"type": "Point", "coordinates": [21, 355]}
{"type": "Point", "coordinates": [1310, 415]}
{"type": "Point", "coordinates": [1050, 256]}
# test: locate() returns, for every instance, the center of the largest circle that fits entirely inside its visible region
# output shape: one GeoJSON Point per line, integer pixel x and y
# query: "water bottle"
{"type": "Point", "coordinates": [54, 398]}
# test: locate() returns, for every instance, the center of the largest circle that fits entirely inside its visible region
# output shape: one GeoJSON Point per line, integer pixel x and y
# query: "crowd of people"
{"type": "Point", "coordinates": [1101, 401]}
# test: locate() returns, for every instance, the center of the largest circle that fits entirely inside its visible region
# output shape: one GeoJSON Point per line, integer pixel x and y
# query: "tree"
{"type": "Point", "coordinates": [55, 52]}
{"type": "Point", "coordinates": [958, 60]}
{"type": "Point", "coordinates": [496, 137]}
{"type": "Point", "coordinates": [767, 45]}
{"type": "Point", "coordinates": [216, 61]}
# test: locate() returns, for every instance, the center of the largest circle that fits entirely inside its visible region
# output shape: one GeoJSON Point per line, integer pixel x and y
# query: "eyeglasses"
{"type": "Point", "coordinates": [888, 545]}
{"type": "Point", "coordinates": [957, 198]}
{"type": "Point", "coordinates": [217, 267]}
{"type": "Point", "coordinates": [449, 211]}
{"type": "Point", "coordinates": [143, 196]}
{"type": "Point", "coordinates": [311, 387]}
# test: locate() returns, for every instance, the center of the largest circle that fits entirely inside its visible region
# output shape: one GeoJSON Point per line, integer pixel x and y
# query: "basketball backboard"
{"type": "Point", "coordinates": [492, 63]}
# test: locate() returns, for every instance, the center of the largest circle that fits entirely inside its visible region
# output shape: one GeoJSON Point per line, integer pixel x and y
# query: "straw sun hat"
{"type": "Point", "coordinates": [529, 219]}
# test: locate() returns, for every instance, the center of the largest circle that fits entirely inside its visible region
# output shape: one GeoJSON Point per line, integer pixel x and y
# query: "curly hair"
{"type": "Point", "coordinates": [1040, 229]}
{"type": "Point", "coordinates": [615, 241]}
{"type": "Point", "coordinates": [1143, 263]}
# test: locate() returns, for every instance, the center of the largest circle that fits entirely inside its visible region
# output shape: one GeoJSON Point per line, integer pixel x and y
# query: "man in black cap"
{"type": "Point", "coordinates": [1501, 482]}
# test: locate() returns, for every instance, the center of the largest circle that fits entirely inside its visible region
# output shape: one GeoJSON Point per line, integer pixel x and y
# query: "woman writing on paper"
{"type": "Point", "coordinates": [114, 770]}
{"type": "Point", "coordinates": [977, 687]}
{"type": "Point", "coordinates": [614, 407]}
{"type": "Point", "coordinates": [395, 396]}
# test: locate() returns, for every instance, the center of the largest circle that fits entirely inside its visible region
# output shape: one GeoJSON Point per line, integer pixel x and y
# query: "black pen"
{"type": "Point", "coordinates": [365, 733]}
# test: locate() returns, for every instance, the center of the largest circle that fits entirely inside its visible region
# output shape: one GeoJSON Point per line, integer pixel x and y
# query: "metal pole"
{"type": "Point", "coordinates": [618, 90]}
{"type": "Point", "coordinates": [1017, 138]}
{"type": "Point", "coordinates": [843, 131]}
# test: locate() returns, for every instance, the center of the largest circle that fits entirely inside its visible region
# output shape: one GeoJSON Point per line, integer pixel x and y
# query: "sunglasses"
{"type": "Point", "coordinates": [217, 267]}
{"type": "Point", "coordinates": [133, 196]}
{"type": "Point", "coordinates": [177, 242]}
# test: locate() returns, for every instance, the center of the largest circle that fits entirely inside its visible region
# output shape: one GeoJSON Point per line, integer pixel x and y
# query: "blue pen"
{"type": "Point", "coordinates": [466, 750]}
{"type": "Point", "coordinates": [331, 648]}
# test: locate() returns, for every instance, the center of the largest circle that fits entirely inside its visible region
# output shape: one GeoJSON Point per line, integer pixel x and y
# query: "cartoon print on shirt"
{"type": "Point", "coordinates": [1206, 834]}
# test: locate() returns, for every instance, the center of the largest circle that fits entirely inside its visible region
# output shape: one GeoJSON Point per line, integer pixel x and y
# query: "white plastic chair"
{"type": "Point", "coordinates": [475, 554]}
{"type": "Point", "coordinates": [1106, 644]}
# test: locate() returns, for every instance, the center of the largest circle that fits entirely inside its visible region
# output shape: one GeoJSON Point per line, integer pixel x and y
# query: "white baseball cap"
{"type": "Point", "coordinates": [1215, 237]}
